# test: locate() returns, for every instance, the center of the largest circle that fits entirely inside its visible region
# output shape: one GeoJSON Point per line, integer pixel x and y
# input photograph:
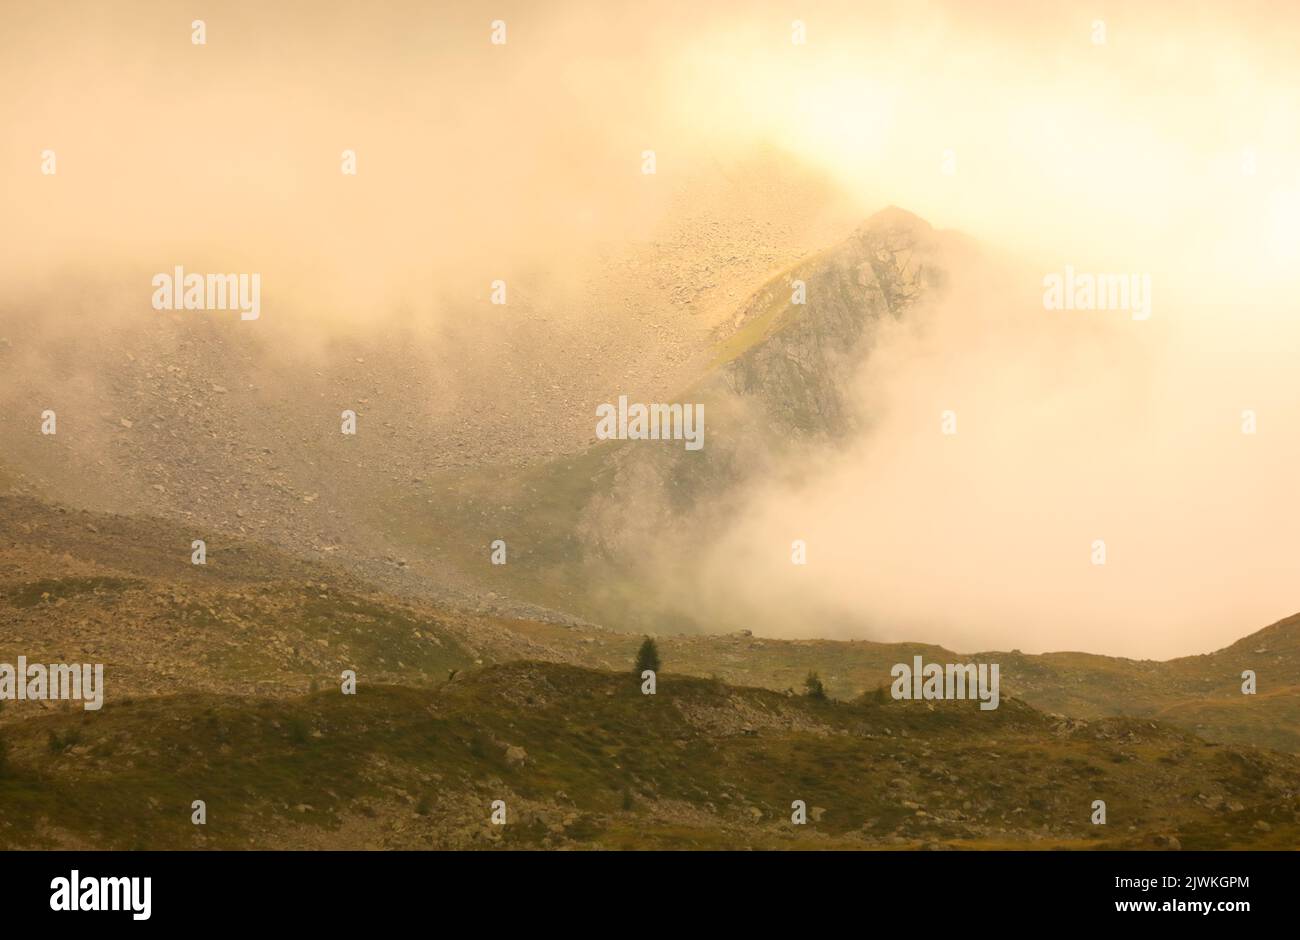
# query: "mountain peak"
{"type": "Point", "coordinates": [893, 219]}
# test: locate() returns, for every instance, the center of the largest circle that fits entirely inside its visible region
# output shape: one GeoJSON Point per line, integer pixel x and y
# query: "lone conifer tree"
{"type": "Point", "coordinates": [647, 657]}
{"type": "Point", "coordinates": [814, 687]}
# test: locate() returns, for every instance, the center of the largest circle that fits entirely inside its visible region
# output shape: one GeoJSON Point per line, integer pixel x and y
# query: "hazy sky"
{"type": "Point", "coordinates": [469, 151]}
{"type": "Point", "coordinates": [1170, 149]}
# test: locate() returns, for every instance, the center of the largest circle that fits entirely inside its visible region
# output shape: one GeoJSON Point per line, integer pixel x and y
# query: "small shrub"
{"type": "Point", "coordinates": [298, 733]}
{"type": "Point", "coordinates": [59, 744]}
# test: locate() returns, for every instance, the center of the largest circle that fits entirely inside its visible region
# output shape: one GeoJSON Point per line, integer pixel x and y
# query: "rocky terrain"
{"type": "Point", "coordinates": [587, 526]}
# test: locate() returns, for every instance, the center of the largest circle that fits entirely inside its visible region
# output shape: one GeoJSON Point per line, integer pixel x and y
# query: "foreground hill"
{"type": "Point", "coordinates": [581, 758]}
{"type": "Point", "coordinates": [77, 586]}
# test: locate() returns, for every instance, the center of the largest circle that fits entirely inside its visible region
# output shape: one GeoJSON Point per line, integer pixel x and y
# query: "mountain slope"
{"type": "Point", "coordinates": [77, 586]}
{"type": "Point", "coordinates": [596, 533]}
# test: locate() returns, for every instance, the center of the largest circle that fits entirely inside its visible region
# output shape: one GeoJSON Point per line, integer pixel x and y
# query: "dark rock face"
{"type": "Point", "coordinates": [782, 377]}
{"type": "Point", "coordinates": [780, 387]}
{"type": "Point", "coordinates": [799, 370]}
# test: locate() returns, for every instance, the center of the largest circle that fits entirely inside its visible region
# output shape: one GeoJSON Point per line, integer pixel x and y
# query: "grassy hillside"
{"type": "Point", "coordinates": [103, 588]}
{"type": "Point", "coordinates": [583, 759]}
